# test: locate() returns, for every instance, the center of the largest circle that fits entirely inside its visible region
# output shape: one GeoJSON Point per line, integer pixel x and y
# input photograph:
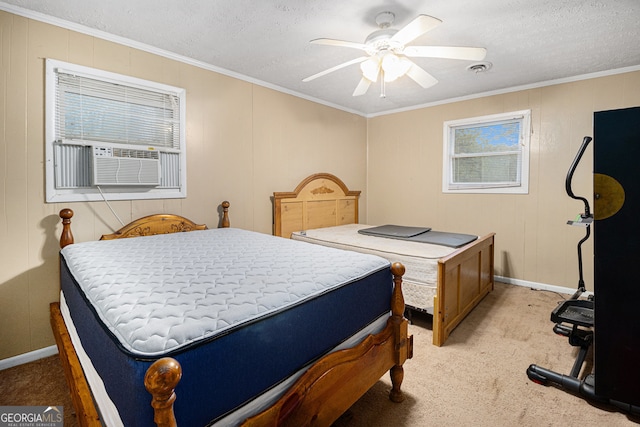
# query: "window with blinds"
{"type": "Point", "coordinates": [112, 136]}
{"type": "Point", "coordinates": [488, 154]}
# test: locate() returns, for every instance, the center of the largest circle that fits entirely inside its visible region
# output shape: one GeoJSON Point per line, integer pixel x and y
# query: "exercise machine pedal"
{"type": "Point", "coordinates": [575, 312]}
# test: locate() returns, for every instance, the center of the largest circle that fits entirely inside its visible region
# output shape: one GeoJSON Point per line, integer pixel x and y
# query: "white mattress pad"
{"type": "Point", "coordinates": [419, 259]}
{"type": "Point", "coordinates": [157, 294]}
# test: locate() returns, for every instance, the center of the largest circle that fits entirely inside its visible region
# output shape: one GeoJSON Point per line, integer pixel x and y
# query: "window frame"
{"type": "Point", "coordinates": [523, 117]}
{"type": "Point", "coordinates": [112, 192]}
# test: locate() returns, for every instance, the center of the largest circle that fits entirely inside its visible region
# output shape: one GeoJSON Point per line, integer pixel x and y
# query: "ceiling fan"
{"type": "Point", "coordinates": [388, 53]}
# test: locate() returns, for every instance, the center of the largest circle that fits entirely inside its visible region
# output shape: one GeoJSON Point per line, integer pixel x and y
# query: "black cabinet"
{"type": "Point", "coordinates": [617, 254]}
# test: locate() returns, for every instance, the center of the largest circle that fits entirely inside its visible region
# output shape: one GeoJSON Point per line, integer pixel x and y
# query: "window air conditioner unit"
{"type": "Point", "coordinates": [125, 166]}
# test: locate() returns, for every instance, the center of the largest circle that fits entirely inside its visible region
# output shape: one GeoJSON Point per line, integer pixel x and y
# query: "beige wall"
{"type": "Point", "coordinates": [243, 143]}
{"type": "Point", "coordinates": [533, 242]}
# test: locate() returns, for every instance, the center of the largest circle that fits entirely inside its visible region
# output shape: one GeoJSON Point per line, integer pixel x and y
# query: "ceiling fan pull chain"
{"type": "Point", "coordinates": [383, 93]}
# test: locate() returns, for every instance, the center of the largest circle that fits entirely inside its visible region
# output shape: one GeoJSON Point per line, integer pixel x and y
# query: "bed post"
{"type": "Point", "coordinates": [161, 379]}
{"type": "Point", "coordinates": [81, 397]}
{"type": "Point", "coordinates": [404, 342]}
{"type": "Point", "coordinates": [225, 215]}
{"type": "Point", "coordinates": [66, 238]}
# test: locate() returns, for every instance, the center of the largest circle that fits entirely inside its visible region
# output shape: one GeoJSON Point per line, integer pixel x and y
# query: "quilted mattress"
{"type": "Point", "coordinates": [239, 310]}
{"type": "Point", "coordinates": [420, 260]}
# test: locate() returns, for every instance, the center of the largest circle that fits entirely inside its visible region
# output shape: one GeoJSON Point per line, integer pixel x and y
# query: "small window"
{"type": "Point", "coordinates": [112, 136]}
{"type": "Point", "coordinates": [488, 154]}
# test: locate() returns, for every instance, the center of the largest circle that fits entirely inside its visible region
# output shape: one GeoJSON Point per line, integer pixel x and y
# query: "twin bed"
{"type": "Point", "coordinates": [223, 326]}
{"type": "Point", "coordinates": [445, 281]}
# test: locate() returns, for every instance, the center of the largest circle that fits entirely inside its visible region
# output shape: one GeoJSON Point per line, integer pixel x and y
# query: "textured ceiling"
{"type": "Point", "coordinates": [267, 42]}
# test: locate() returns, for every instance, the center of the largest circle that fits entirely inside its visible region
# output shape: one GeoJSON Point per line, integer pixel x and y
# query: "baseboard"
{"type": "Point", "coordinates": [28, 357]}
{"type": "Point", "coordinates": [536, 285]}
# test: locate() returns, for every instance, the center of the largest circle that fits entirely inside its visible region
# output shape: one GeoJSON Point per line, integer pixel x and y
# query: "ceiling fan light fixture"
{"type": "Point", "coordinates": [371, 68]}
{"type": "Point", "coordinates": [394, 66]}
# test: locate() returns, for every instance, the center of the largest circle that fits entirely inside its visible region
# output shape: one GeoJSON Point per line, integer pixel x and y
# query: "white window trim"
{"type": "Point", "coordinates": [55, 195]}
{"type": "Point", "coordinates": [525, 141]}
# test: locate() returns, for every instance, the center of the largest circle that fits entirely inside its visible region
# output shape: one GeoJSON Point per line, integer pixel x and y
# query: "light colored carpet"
{"type": "Point", "coordinates": [476, 379]}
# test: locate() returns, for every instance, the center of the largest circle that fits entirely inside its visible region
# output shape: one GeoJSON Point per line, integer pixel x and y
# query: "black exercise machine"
{"type": "Point", "coordinates": [574, 318]}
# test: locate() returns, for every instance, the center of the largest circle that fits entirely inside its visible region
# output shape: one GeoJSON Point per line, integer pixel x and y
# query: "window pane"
{"type": "Point", "coordinates": [488, 154]}
{"type": "Point", "coordinates": [486, 169]}
{"type": "Point", "coordinates": [487, 138]}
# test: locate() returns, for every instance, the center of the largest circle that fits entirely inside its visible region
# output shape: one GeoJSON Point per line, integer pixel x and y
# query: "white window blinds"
{"type": "Point", "coordinates": [102, 111]}
{"type": "Point", "coordinates": [487, 155]}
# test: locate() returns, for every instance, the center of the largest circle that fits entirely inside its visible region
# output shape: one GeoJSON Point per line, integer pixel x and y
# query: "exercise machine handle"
{"type": "Point", "coordinates": [572, 169]}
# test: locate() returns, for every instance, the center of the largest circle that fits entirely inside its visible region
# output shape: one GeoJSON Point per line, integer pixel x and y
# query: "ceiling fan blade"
{"type": "Point", "coordinates": [362, 87]}
{"type": "Point", "coordinates": [449, 52]}
{"type": "Point", "coordinates": [421, 77]}
{"type": "Point", "coordinates": [337, 67]}
{"type": "Point", "coordinates": [415, 29]}
{"type": "Point", "coordinates": [342, 43]}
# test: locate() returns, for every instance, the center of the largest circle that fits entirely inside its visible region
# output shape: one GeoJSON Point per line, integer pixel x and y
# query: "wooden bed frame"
{"type": "Point", "coordinates": [318, 398]}
{"type": "Point", "coordinates": [464, 277]}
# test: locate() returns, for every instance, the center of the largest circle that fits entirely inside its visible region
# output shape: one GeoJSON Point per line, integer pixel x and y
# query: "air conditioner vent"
{"type": "Point", "coordinates": [125, 166]}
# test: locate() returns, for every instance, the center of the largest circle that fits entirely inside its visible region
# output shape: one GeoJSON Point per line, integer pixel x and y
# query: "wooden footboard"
{"type": "Point", "coordinates": [464, 278]}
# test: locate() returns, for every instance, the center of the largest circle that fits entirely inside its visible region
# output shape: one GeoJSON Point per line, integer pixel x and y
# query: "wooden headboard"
{"type": "Point", "coordinates": [320, 200]}
{"type": "Point", "coordinates": [146, 226]}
